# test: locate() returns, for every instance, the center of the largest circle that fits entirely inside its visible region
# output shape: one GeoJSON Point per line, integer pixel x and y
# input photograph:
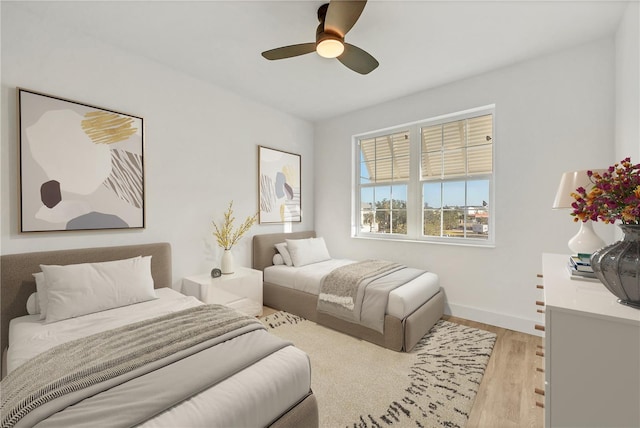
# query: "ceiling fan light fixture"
{"type": "Point", "coordinates": [330, 48]}
{"type": "Point", "coordinates": [335, 18]}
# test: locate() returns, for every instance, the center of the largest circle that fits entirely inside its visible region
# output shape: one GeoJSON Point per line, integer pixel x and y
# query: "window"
{"type": "Point", "coordinates": [429, 181]}
{"type": "Point", "coordinates": [384, 178]}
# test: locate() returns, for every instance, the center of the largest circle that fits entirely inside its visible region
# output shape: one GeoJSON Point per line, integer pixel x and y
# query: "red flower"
{"type": "Point", "coordinates": [615, 195]}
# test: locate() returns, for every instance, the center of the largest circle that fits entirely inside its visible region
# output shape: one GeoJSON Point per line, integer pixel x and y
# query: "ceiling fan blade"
{"type": "Point", "coordinates": [289, 51]}
{"type": "Point", "coordinates": [342, 15]}
{"type": "Point", "coordinates": [357, 59]}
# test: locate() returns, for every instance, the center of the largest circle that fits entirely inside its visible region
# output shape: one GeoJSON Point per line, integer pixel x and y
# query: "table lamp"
{"type": "Point", "coordinates": [585, 241]}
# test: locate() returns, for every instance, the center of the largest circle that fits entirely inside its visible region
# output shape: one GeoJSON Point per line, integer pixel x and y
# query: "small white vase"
{"type": "Point", "coordinates": [227, 264]}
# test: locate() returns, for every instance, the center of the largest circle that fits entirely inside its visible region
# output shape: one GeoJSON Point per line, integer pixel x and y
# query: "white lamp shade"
{"type": "Point", "coordinates": [569, 182]}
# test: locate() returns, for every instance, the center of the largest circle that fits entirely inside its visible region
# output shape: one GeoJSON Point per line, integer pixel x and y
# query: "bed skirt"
{"type": "Point", "coordinates": [304, 414]}
{"type": "Point", "coordinates": [399, 335]}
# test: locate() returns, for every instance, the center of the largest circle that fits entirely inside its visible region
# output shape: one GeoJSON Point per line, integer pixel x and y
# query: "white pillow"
{"type": "Point", "coordinates": [277, 259]}
{"type": "Point", "coordinates": [306, 251]}
{"type": "Point", "coordinates": [41, 287]}
{"type": "Point", "coordinates": [75, 290]}
{"type": "Point", "coordinates": [33, 307]}
{"type": "Point", "coordinates": [282, 249]}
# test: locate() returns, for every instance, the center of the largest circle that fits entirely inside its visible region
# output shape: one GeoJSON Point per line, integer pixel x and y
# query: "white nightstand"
{"type": "Point", "coordinates": [241, 290]}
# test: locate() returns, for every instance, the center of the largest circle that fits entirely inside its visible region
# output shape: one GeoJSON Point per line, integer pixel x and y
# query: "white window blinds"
{"type": "Point", "coordinates": [457, 149]}
{"type": "Point", "coordinates": [385, 158]}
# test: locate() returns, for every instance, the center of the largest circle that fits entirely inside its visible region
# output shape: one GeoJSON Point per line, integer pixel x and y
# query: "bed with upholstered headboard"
{"type": "Point", "coordinates": [18, 283]}
{"type": "Point", "coordinates": [214, 400]}
{"type": "Point", "coordinates": [403, 327]}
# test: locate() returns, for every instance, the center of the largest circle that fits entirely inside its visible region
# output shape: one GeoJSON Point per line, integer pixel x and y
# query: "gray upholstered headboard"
{"type": "Point", "coordinates": [17, 281]}
{"type": "Point", "coordinates": [264, 249]}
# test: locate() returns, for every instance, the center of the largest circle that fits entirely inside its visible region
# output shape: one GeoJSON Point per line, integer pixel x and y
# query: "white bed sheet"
{"type": "Point", "coordinates": [29, 336]}
{"type": "Point", "coordinates": [403, 301]}
{"type": "Point", "coordinates": [253, 397]}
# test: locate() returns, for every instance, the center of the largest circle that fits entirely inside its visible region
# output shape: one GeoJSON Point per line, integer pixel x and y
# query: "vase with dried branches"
{"type": "Point", "coordinates": [227, 236]}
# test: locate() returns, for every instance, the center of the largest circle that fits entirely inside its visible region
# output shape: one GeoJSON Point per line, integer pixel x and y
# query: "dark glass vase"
{"type": "Point", "coordinates": [617, 266]}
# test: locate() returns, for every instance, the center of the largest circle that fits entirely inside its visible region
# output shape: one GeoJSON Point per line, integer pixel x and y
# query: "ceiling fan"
{"type": "Point", "coordinates": [336, 19]}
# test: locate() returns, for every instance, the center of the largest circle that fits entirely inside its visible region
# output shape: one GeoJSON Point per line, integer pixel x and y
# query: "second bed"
{"type": "Point", "coordinates": [411, 311]}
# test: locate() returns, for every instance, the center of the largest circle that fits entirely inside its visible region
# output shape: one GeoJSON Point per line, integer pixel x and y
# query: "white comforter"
{"type": "Point", "coordinates": [252, 397]}
{"type": "Point", "coordinates": [403, 301]}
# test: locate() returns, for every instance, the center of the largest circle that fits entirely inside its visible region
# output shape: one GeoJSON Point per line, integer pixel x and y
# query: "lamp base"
{"type": "Point", "coordinates": [586, 241]}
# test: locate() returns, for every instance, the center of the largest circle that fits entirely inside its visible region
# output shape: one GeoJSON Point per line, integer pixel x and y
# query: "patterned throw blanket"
{"type": "Point", "coordinates": [80, 364]}
{"type": "Point", "coordinates": [359, 292]}
{"type": "Point", "coordinates": [341, 285]}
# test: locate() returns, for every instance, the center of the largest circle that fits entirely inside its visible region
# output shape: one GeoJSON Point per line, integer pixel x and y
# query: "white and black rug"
{"type": "Point", "coordinates": [359, 384]}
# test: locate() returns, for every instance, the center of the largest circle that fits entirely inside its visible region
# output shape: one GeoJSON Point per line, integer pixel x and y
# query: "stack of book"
{"type": "Point", "coordinates": [580, 267]}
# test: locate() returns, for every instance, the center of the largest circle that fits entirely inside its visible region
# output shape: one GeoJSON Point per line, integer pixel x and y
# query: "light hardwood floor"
{"type": "Point", "coordinates": [506, 397]}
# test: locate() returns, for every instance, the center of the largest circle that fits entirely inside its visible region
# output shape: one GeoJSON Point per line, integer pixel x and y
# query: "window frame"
{"type": "Point", "coordinates": [415, 203]}
{"type": "Point", "coordinates": [388, 183]}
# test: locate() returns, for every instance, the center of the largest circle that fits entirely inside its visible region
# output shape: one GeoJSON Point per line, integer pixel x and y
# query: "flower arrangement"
{"type": "Point", "coordinates": [226, 235]}
{"type": "Point", "coordinates": [614, 196]}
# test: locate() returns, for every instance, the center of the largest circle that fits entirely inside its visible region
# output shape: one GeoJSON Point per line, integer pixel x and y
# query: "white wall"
{"type": "Point", "coordinates": [200, 151]}
{"type": "Point", "coordinates": [553, 114]}
{"type": "Point", "coordinates": [627, 136]}
{"type": "Point", "coordinates": [628, 85]}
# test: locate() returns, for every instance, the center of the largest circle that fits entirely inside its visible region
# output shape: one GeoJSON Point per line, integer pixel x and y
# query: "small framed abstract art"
{"type": "Point", "coordinates": [279, 185]}
{"type": "Point", "coordinates": [81, 166]}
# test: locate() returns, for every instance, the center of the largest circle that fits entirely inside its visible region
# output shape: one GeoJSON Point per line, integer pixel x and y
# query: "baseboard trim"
{"type": "Point", "coordinates": [509, 322]}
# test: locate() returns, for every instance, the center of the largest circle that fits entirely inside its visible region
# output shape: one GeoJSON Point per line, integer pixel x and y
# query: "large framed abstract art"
{"type": "Point", "coordinates": [279, 185]}
{"type": "Point", "coordinates": [81, 166]}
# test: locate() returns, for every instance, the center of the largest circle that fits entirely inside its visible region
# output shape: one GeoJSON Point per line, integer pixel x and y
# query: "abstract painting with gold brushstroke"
{"type": "Point", "coordinates": [81, 166]}
{"type": "Point", "coordinates": [279, 186]}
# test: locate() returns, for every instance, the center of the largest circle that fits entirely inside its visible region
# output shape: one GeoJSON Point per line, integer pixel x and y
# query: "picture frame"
{"type": "Point", "coordinates": [81, 167]}
{"type": "Point", "coordinates": [280, 186]}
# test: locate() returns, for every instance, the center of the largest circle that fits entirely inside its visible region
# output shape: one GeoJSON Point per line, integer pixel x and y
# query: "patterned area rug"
{"type": "Point", "coordinates": [359, 384]}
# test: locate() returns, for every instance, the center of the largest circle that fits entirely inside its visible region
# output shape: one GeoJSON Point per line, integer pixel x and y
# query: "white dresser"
{"type": "Point", "coordinates": [592, 353]}
{"type": "Point", "coordinates": [241, 290]}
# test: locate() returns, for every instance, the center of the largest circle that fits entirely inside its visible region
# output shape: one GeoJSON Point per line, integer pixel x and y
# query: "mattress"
{"type": "Point", "coordinates": [403, 301]}
{"type": "Point", "coordinates": [269, 388]}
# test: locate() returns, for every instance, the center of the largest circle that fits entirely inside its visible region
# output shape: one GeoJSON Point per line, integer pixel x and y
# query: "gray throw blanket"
{"type": "Point", "coordinates": [359, 292]}
{"type": "Point", "coordinates": [81, 364]}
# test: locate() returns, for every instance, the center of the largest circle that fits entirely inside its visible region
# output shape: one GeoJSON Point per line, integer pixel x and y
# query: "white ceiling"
{"type": "Point", "coordinates": [419, 44]}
